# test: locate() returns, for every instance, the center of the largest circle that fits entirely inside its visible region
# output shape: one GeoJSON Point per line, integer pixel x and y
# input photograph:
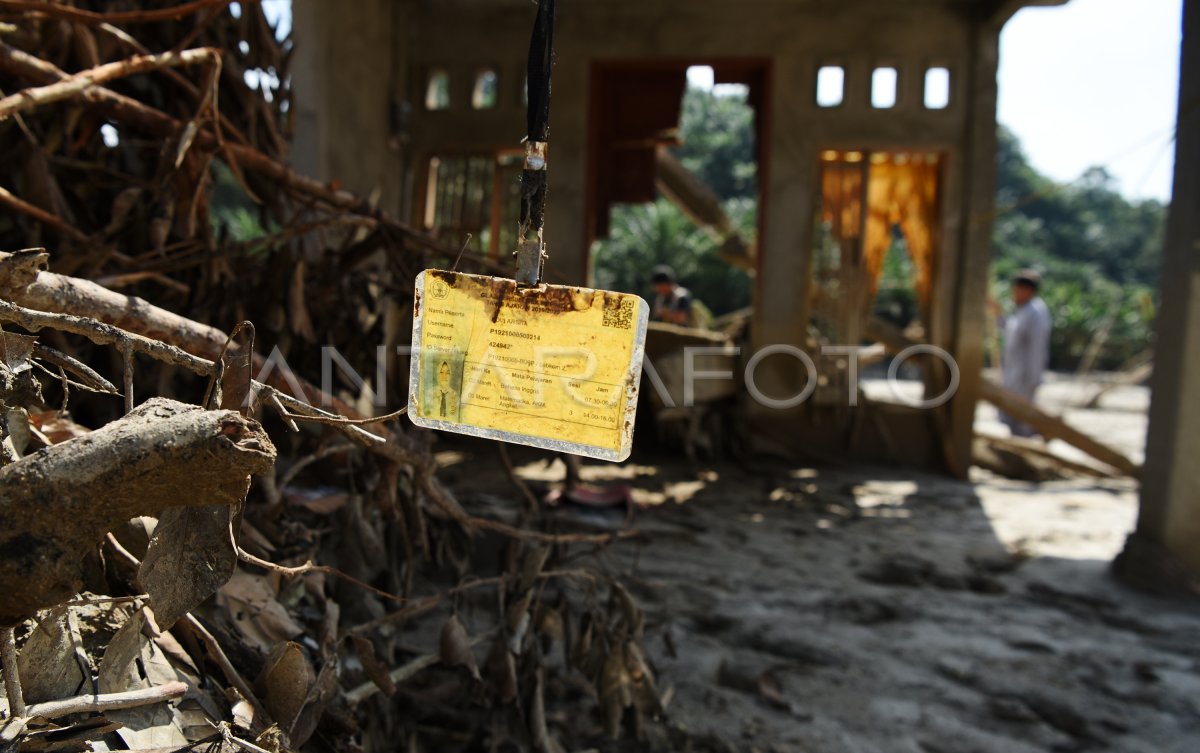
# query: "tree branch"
{"type": "Point", "coordinates": [12, 679]}
{"type": "Point", "coordinates": [68, 294]}
{"type": "Point", "coordinates": [128, 699]}
{"type": "Point", "coordinates": [103, 334]}
{"type": "Point", "coordinates": [131, 112]}
{"type": "Point", "coordinates": [41, 215]}
{"type": "Point", "coordinates": [66, 12]}
{"type": "Point", "coordinates": [27, 99]}
{"type": "Point", "coordinates": [57, 503]}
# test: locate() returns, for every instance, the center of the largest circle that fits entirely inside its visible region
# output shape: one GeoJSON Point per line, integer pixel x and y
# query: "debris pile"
{"type": "Point", "coordinates": [192, 556]}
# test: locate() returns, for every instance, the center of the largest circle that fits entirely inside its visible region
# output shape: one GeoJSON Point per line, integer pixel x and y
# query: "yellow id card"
{"type": "Point", "coordinates": [554, 366]}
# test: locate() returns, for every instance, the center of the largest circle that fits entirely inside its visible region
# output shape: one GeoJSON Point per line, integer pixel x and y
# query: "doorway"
{"type": "Point", "coordinates": [652, 198]}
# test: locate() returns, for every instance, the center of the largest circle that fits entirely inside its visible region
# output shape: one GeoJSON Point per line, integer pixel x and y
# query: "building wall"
{"type": "Point", "coordinates": [349, 73]}
{"type": "Point", "coordinates": [793, 37]}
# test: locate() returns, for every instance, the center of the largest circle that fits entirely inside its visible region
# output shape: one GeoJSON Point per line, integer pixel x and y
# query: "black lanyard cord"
{"type": "Point", "coordinates": [533, 177]}
{"type": "Point", "coordinates": [541, 58]}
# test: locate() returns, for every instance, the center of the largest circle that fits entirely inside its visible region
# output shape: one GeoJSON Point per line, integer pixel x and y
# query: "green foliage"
{"type": "Point", "coordinates": [718, 145]}
{"type": "Point", "coordinates": [896, 300]}
{"type": "Point", "coordinates": [645, 235]}
{"type": "Point", "coordinates": [232, 210]}
{"type": "Point", "coordinates": [1097, 251]}
{"type": "Point", "coordinates": [718, 142]}
{"type": "Point", "coordinates": [1087, 221]}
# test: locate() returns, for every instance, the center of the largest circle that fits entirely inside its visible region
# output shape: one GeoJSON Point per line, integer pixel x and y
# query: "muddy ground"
{"type": "Point", "coordinates": [848, 609]}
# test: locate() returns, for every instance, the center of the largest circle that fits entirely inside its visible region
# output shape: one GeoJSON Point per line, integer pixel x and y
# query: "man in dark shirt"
{"type": "Point", "coordinates": [672, 301]}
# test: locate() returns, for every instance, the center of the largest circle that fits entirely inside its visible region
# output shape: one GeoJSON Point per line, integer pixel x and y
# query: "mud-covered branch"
{"type": "Point", "coordinates": [58, 503]}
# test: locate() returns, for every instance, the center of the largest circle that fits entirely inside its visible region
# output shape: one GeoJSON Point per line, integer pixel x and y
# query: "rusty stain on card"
{"type": "Point", "coordinates": [554, 366]}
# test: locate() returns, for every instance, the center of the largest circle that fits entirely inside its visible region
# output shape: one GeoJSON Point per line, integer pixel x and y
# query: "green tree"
{"type": "Point", "coordinates": [1098, 252]}
{"type": "Point", "coordinates": [718, 142]}
{"type": "Point", "coordinates": [645, 235]}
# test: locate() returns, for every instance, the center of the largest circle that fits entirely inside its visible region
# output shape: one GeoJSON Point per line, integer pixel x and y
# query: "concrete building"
{"type": "Point", "coordinates": [420, 103]}
{"type": "Point", "coordinates": [1164, 552]}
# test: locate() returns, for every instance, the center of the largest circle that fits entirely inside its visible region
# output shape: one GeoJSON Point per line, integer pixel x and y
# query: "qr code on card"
{"type": "Point", "coordinates": [618, 312]}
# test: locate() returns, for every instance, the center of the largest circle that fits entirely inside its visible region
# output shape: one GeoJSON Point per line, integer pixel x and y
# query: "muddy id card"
{"type": "Point", "coordinates": [555, 367]}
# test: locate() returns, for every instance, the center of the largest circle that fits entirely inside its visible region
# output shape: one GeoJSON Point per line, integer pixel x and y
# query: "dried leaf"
{"type": "Point", "coordinates": [542, 741]}
{"type": "Point", "coordinates": [237, 371]}
{"type": "Point", "coordinates": [185, 141]}
{"type": "Point", "coordinates": [286, 680]}
{"type": "Point", "coordinates": [550, 623]}
{"type": "Point", "coordinates": [519, 631]}
{"type": "Point", "coordinates": [254, 540]}
{"type": "Point", "coordinates": [249, 600]}
{"type": "Point", "coordinates": [42, 187]}
{"type": "Point", "coordinates": [194, 718]}
{"type": "Point", "coordinates": [189, 558]}
{"type": "Point", "coordinates": [47, 662]}
{"type": "Point", "coordinates": [372, 666]}
{"type": "Point", "coordinates": [243, 714]}
{"type": "Point", "coordinates": [85, 45]}
{"type": "Point", "coordinates": [502, 672]}
{"type": "Point", "coordinates": [645, 690]}
{"type": "Point", "coordinates": [11, 729]}
{"type": "Point", "coordinates": [329, 634]}
{"type": "Point", "coordinates": [632, 615]}
{"type": "Point", "coordinates": [455, 646]}
{"type": "Point", "coordinates": [16, 351]}
{"type": "Point", "coordinates": [582, 650]}
{"type": "Point", "coordinates": [20, 433]}
{"type": "Point", "coordinates": [615, 688]}
{"type": "Point", "coordinates": [21, 268]}
{"type": "Point", "coordinates": [169, 645]}
{"type": "Point", "coordinates": [519, 619]}
{"type": "Point", "coordinates": [56, 427]}
{"type": "Point", "coordinates": [297, 310]}
{"type": "Point", "coordinates": [159, 230]}
{"type": "Point", "coordinates": [131, 662]}
{"type": "Point", "coordinates": [361, 549]}
{"type": "Point", "coordinates": [67, 739]}
{"type": "Point", "coordinates": [122, 204]}
{"type": "Point", "coordinates": [532, 566]}
{"type": "Point", "coordinates": [314, 706]}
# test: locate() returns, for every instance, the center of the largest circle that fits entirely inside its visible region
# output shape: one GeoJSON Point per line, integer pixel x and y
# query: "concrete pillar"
{"type": "Point", "coordinates": [979, 181]}
{"type": "Point", "coordinates": [1164, 552]}
{"type": "Point", "coordinates": [344, 71]}
{"type": "Point", "coordinates": [785, 250]}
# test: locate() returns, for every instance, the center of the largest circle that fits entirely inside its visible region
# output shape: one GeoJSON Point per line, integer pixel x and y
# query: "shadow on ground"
{"type": "Point", "coordinates": [872, 609]}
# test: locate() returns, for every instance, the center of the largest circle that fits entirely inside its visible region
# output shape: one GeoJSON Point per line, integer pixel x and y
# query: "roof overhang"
{"type": "Point", "coordinates": [1005, 9]}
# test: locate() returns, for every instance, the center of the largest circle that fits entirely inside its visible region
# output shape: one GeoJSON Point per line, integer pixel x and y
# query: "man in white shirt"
{"type": "Point", "coordinates": [1026, 344]}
